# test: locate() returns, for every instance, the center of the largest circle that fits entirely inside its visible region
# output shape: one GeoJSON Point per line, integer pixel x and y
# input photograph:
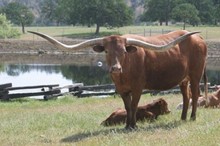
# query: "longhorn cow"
{"type": "Point", "coordinates": [156, 63]}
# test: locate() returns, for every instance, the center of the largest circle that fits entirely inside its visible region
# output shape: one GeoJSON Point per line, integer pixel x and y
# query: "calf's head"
{"type": "Point", "coordinates": [161, 105]}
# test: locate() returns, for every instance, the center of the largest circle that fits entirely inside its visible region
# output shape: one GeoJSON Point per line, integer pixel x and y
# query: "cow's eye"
{"type": "Point", "coordinates": [106, 51]}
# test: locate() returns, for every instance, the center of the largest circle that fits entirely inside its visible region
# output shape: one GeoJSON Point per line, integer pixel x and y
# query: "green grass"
{"type": "Point", "coordinates": [208, 32]}
{"type": "Point", "coordinates": [72, 121]}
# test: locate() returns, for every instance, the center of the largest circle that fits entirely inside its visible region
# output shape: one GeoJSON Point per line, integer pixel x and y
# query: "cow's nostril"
{"type": "Point", "coordinates": [116, 70]}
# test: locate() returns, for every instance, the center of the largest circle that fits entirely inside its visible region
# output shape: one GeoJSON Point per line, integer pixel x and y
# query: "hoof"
{"type": "Point", "coordinates": [131, 128]}
{"type": "Point", "coordinates": [193, 118]}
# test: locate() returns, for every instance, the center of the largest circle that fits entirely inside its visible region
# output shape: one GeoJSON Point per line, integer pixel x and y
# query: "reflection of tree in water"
{"type": "Point", "coordinates": [2, 68]}
{"type": "Point", "coordinates": [213, 77]}
{"type": "Point", "coordinates": [89, 75]}
{"type": "Point", "coordinates": [17, 69]}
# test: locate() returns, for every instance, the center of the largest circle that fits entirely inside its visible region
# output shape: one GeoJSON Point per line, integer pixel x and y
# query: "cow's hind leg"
{"type": "Point", "coordinates": [184, 87]}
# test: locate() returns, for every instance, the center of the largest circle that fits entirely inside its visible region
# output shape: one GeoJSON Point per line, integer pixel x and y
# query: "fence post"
{"type": "Point", "coordinates": [206, 34]}
{"type": "Point", "coordinates": [62, 34]}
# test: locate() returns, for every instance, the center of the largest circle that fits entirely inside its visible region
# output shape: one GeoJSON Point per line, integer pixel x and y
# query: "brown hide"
{"type": "Point", "coordinates": [134, 68]}
{"type": "Point", "coordinates": [213, 101]}
{"type": "Point", "coordinates": [145, 112]}
{"type": "Point", "coordinates": [147, 69]}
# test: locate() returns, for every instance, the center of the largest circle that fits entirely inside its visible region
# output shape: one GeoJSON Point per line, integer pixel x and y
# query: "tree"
{"type": "Point", "coordinates": [158, 10]}
{"type": "Point", "coordinates": [216, 11]}
{"type": "Point", "coordinates": [205, 10]}
{"type": "Point", "coordinates": [110, 13]}
{"type": "Point", "coordinates": [18, 14]}
{"type": "Point", "coordinates": [52, 11]}
{"type": "Point", "coordinates": [187, 13]}
{"type": "Point", "coordinates": [6, 30]}
{"type": "Point", "coordinates": [47, 12]}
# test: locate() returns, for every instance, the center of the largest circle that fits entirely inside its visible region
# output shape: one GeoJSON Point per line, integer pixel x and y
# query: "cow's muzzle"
{"type": "Point", "coordinates": [116, 69]}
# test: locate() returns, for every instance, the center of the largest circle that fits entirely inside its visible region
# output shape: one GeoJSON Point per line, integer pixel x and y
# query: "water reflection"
{"type": "Point", "coordinates": [89, 75]}
{"type": "Point", "coordinates": [45, 74]}
{"type": "Point", "coordinates": [36, 74]}
{"type": "Point", "coordinates": [213, 76]}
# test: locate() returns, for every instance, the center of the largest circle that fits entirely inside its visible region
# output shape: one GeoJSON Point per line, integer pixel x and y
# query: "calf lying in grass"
{"type": "Point", "coordinates": [213, 100]}
{"type": "Point", "coordinates": [145, 112]}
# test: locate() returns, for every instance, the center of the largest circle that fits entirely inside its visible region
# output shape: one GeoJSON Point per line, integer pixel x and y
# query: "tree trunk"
{"type": "Point", "coordinates": [166, 22]}
{"type": "Point", "coordinates": [184, 25]}
{"type": "Point", "coordinates": [97, 29]}
{"type": "Point", "coordinates": [23, 30]}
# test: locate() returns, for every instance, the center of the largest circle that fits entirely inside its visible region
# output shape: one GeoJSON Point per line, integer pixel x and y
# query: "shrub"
{"type": "Point", "coordinates": [6, 30]}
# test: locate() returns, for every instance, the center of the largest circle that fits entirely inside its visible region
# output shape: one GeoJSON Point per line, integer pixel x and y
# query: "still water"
{"type": "Point", "coordinates": [39, 74]}
{"type": "Point", "coordinates": [43, 74]}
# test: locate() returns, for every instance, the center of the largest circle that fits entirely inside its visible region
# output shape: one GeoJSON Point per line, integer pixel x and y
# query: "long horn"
{"type": "Point", "coordinates": [131, 41]}
{"type": "Point", "coordinates": [91, 42]}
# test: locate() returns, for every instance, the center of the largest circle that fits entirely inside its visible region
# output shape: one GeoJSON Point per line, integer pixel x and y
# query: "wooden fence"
{"type": "Point", "coordinates": [77, 89]}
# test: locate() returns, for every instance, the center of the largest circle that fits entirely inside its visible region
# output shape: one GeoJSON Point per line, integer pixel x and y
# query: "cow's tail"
{"type": "Point", "coordinates": [205, 78]}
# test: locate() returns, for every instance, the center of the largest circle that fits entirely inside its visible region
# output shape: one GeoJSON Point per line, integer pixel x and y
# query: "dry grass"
{"type": "Point", "coordinates": [208, 32]}
{"type": "Point", "coordinates": [72, 121]}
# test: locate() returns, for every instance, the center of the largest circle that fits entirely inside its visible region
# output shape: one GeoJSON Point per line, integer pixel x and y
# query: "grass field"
{"type": "Point", "coordinates": [207, 32]}
{"type": "Point", "coordinates": [72, 121]}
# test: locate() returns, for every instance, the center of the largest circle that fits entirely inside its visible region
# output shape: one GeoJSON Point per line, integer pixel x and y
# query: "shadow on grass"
{"type": "Point", "coordinates": [20, 100]}
{"type": "Point", "coordinates": [151, 128]}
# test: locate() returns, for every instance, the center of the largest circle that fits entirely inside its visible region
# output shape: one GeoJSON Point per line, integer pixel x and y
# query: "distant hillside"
{"type": "Point", "coordinates": [34, 5]}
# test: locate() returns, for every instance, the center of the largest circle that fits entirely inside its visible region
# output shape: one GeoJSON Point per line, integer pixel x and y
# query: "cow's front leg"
{"type": "Point", "coordinates": [127, 103]}
{"type": "Point", "coordinates": [134, 104]}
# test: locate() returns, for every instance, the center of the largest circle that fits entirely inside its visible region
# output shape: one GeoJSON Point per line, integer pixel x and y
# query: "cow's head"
{"type": "Point", "coordinates": [115, 47]}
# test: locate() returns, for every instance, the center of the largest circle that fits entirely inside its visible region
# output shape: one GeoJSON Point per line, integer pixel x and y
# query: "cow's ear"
{"type": "Point", "coordinates": [98, 49]}
{"type": "Point", "coordinates": [131, 49]}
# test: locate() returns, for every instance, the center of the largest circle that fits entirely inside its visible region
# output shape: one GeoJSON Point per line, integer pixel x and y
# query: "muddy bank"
{"type": "Point", "coordinates": [43, 52]}
{"type": "Point", "coordinates": [27, 46]}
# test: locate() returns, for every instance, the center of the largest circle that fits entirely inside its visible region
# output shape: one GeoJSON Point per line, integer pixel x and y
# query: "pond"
{"type": "Point", "coordinates": [41, 72]}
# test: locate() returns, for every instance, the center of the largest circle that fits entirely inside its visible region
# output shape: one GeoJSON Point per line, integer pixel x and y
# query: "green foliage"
{"type": "Point", "coordinates": [205, 10]}
{"type": "Point", "coordinates": [18, 14]}
{"type": "Point", "coordinates": [114, 13]}
{"type": "Point", "coordinates": [161, 10]}
{"type": "Point", "coordinates": [53, 11]}
{"type": "Point", "coordinates": [217, 12]}
{"type": "Point", "coordinates": [158, 10]}
{"type": "Point", "coordinates": [6, 30]}
{"type": "Point", "coordinates": [187, 13]}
